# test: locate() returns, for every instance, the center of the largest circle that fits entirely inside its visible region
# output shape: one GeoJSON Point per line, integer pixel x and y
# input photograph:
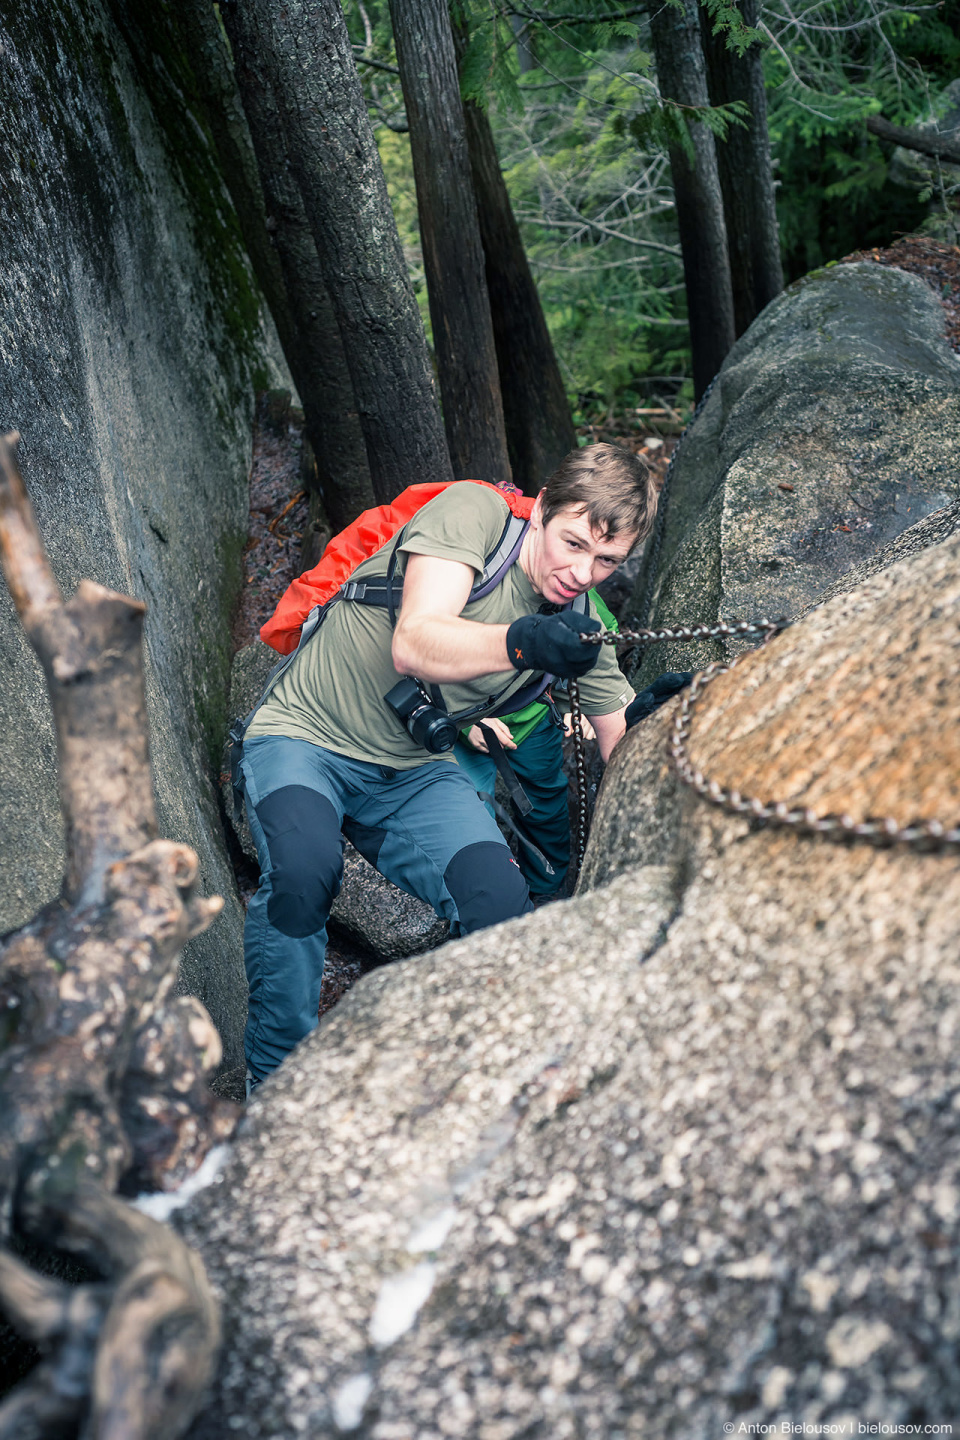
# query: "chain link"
{"type": "Point", "coordinates": [737, 630]}
{"type": "Point", "coordinates": [580, 763]}
{"type": "Point", "coordinates": [921, 835]}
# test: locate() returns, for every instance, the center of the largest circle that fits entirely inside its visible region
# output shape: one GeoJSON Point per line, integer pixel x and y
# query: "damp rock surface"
{"type": "Point", "coordinates": [129, 355]}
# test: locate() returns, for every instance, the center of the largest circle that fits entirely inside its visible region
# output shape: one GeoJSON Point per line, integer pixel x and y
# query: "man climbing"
{"type": "Point", "coordinates": [343, 741]}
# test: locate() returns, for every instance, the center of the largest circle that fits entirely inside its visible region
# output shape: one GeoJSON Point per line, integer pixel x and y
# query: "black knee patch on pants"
{"type": "Point", "coordinates": [306, 857]}
{"type": "Point", "coordinates": [486, 885]}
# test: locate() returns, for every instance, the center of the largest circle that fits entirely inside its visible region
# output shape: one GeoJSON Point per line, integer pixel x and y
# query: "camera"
{"type": "Point", "coordinates": [425, 724]}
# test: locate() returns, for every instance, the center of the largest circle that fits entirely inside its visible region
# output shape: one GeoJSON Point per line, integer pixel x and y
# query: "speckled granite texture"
{"type": "Point", "coordinates": [680, 1156]}
{"type": "Point", "coordinates": [129, 349]}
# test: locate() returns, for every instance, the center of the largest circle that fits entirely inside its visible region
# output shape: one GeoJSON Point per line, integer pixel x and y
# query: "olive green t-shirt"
{"type": "Point", "coordinates": [332, 694]}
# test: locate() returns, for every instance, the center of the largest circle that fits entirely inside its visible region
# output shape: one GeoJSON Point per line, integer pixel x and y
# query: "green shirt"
{"type": "Point", "coordinates": [332, 694]}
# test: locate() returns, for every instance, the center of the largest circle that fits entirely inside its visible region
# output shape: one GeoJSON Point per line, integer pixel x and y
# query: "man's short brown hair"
{"type": "Point", "coordinates": [613, 486]}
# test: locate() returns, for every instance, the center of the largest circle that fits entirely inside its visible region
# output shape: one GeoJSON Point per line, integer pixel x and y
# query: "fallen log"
{"type": "Point", "coordinates": [940, 145]}
{"type": "Point", "coordinates": [102, 1067]}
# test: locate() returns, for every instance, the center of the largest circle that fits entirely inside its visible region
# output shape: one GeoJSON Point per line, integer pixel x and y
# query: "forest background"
{"type": "Point", "coordinates": [582, 129]}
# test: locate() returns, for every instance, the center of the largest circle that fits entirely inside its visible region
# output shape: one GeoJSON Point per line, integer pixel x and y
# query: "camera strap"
{"type": "Point", "coordinates": [506, 771]}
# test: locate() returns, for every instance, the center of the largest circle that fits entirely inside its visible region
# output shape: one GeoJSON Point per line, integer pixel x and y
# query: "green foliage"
{"type": "Point", "coordinates": [584, 136]}
{"type": "Point", "coordinates": [668, 123]}
{"type": "Point", "coordinates": [597, 223]}
{"type": "Point", "coordinates": [487, 74]}
{"type": "Point", "coordinates": [727, 19]}
{"type": "Point", "coordinates": [846, 60]}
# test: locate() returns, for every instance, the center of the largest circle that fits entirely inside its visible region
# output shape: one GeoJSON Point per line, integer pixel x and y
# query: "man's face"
{"type": "Point", "coordinates": [565, 557]}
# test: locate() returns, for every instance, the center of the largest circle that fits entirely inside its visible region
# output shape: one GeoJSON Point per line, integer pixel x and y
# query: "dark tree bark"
{"type": "Point", "coordinates": [944, 146]}
{"type": "Point", "coordinates": [84, 992]}
{"type": "Point", "coordinates": [696, 186]}
{"type": "Point", "coordinates": [321, 374]}
{"type": "Point", "coordinates": [538, 423]}
{"type": "Point", "coordinates": [450, 236]}
{"type": "Point", "coordinates": [746, 172]}
{"type": "Point", "coordinates": [334, 160]}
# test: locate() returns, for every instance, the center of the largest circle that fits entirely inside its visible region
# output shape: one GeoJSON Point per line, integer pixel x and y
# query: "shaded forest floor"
{"type": "Point", "coordinates": [278, 504]}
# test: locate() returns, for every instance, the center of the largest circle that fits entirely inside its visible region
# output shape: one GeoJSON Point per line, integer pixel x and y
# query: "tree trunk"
{"type": "Point", "coordinates": [450, 236]}
{"type": "Point", "coordinates": [101, 1073]}
{"type": "Point", "coordinates": [334, 160]}
{"type": "Point", "coordinates": [522, 34]}
{"type": "Point", "coordinates": [696, 187]}
{"type": "Point", "coordinates": [746, 172]}
{"type": "Point", "coordinates": [216, 95]}
{"type": "Point", "coordinates": [537, 417]}
{"type": "Point", "coordinates": [321, 374]}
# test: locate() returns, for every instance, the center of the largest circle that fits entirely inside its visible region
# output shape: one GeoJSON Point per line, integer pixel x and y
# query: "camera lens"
{"type": "Point", "coordinates": [432, 729]}
{"type": "Point", "coordinates": [425, 723]}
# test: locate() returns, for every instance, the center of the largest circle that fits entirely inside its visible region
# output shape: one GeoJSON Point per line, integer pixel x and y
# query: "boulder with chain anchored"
{"type": "Point", "coordinates": [685, 1153]}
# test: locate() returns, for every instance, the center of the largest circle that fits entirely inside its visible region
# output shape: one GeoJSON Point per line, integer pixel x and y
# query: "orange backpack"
{"type": "Point", "coordinates": [368, 534]}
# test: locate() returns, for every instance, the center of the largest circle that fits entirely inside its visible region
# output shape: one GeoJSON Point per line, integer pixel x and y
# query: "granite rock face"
{"type": "Point", "coordinates": [833, 425]}
{"type": "Point", "coordinates": [131, 333]}
{"type": "Point", "coordinates": [680, 1156]}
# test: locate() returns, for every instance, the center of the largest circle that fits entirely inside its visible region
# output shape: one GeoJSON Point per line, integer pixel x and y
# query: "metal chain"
{"type": "Point", "coordinates": [737, 630]}
{"type": "Point", "coordinates": [922, 835]}
{"type": "Point", "coordinates": [720, 631]}
{"type": "Point", "coordinates": [580, 765]}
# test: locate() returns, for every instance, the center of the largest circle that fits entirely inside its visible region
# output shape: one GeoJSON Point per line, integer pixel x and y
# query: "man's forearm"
{"type": "Point", "coordinates": [438, 648]}
{"type": "Point", "coordinates": [610, 731]}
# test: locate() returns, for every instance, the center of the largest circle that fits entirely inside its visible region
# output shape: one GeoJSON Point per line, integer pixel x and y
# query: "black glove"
{"type": "Point", "coordinates": [552, 643]}
{"type": "Point", "coordinates": [663, 689]}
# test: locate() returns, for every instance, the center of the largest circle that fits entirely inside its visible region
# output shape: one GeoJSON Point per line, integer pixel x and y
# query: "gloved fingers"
{"type": "Point", "coordinates": [552, 643]}
{"type": "Point", "coordinates": [663, 689]}
{"type": "Point", "coordinates": [671, 683]}
{"type": "Point", "coordinates": [579, 624]}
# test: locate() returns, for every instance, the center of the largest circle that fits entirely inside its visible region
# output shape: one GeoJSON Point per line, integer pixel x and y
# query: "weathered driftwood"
{"type": "Point", "coordinates": [101, 1066]}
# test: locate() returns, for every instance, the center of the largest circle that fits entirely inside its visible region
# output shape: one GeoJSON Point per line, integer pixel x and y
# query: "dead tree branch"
{"type": "Point", "coordinates": [87, 1018]}
{"type": "Point", "coordinates": [945, 146]}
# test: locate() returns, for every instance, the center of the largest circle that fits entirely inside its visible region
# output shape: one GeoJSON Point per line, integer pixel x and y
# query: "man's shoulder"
{"type": "Point", "coordinates": [466, 501]}
{"type": "Point", "coordinates": [463, 523]}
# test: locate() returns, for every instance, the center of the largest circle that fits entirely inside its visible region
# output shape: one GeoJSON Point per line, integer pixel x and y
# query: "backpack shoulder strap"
{"type": "Point", "coordinates": [384, 591]}
{"type": "Point", "coordinates": [500, 559]}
